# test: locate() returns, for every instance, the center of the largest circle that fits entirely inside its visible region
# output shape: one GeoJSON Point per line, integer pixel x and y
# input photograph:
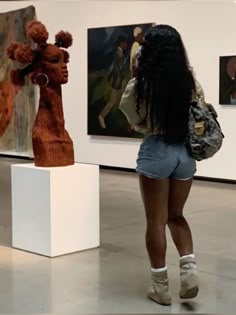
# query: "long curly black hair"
{"type": "Point", "coordinates": [165, 82]}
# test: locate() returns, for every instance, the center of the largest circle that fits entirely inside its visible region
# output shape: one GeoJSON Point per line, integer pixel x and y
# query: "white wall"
{"type": "Point", "coordinates": [208, 30]}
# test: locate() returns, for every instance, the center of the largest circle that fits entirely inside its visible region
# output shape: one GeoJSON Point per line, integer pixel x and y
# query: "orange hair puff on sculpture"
{"type": "Point", "coordinates": [63, 39]}
{"type": "Point", "coordinates": [11, 50]}
{"type": "Point", "coordinates": [24, 54]}
{"type": "Point", "coordinates": [21, 53]}
{"type": "Point", "coordinates": [37, 32]}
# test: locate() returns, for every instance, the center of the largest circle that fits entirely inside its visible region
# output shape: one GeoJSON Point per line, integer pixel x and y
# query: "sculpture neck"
{"type": "Point", "coordinates": [52, 91]}
{"type": "Point", "coordinates": [51, 98]}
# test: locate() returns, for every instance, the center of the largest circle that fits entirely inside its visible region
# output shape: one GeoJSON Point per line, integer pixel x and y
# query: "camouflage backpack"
{"type": "Point", "coordinates": [205, 136]}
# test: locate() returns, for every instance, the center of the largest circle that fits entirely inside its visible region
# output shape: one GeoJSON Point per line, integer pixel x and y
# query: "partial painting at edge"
{"type": "Point", "coordinates": [228, 80]}
{"type": "Point", "coordinates": [111, 52]}
{"type": "Point", "coordinates": [18, 136]}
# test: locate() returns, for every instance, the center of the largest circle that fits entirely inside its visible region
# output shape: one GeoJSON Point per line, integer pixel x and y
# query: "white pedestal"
{"type": "Point", "coordinates": [55, 211]}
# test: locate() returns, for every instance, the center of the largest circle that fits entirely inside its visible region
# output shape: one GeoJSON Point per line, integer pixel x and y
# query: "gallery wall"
{"type": "Point", "coordinates": [207, 28]}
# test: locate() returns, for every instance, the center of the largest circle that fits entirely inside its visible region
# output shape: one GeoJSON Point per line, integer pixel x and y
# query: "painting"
{"type": "Point", "coordinates": [111, 57]}
{"type": "Point", "coordinates": [17, 138]}
{"type": "Point", "coordinates": [228, 80]}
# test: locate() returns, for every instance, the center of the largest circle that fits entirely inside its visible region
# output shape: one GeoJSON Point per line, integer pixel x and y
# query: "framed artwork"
{"type": "Point", "coordinates": [228, 80]}
{"type": "Point", "coordinates": [17, 138]}
{"type": "Point", "coordinates": [111, 55]}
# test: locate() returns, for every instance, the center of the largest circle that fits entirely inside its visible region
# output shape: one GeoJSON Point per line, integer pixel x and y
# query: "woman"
{"type": "Point", "coordinates": [157, 101]}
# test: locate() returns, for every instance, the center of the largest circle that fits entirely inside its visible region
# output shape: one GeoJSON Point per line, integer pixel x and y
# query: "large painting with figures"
{"type": "Point", "coordinates": [111, 54]}
{"type": "Point", "coordinates": [16, 138]}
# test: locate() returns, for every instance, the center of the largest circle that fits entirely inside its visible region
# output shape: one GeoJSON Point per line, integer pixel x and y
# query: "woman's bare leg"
{"type": "Point", "coordinates": [179, 228]}
{"type": "Point", "coordinates": [155, 198]}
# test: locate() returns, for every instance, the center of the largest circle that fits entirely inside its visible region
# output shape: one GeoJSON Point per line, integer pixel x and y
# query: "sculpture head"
{"type": "Point", "coordinates": [47, 63]}
{"type": "Point", "coordinates": [51, 67]}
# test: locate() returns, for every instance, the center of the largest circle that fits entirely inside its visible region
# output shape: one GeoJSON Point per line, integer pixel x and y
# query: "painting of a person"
{"type": "Point", "coordinates": [228, 80]}
{"type": "Point", "coordinates": [231, 71]}
{"type": "Point", "coordinates": [115, 77]}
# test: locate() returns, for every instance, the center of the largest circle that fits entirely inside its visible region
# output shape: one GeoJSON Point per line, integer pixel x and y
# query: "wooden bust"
{"type": "Point", "coordinates": [47, 68]}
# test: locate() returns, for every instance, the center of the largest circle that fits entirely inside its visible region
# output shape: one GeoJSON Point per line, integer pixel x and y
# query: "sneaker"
{"type": "Point", "coordinates": [188, 278]}
{"type": "Point", "coordinates": [160, 288]}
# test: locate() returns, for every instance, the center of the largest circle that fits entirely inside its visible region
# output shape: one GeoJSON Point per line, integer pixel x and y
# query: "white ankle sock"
{"type": "Point", "coordinates": [158, 269]}
{"type": "Point", "coordinates": [187, 256]}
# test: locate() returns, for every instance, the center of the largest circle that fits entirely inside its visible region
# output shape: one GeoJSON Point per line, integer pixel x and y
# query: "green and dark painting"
{"type": "Point", "coordinates": [17, 138]}
{"type": "Point", "coordinates": [111, 54]}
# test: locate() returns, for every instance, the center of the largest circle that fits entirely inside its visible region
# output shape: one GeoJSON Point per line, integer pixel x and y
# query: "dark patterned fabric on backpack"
{"type": "Point", "coordinates": [205, 136]}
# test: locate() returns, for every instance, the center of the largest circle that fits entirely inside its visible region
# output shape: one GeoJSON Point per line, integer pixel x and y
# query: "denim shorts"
{"type": "Point", "coordinates": [158, 159]}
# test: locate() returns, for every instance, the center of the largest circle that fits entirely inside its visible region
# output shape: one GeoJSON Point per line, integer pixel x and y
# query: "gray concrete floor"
{"type": "Point", "coordinates": [114, 278]}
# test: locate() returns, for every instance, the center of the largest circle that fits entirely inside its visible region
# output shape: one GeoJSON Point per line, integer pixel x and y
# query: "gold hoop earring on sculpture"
{"type": "Point", "coordinates": [41, 79]}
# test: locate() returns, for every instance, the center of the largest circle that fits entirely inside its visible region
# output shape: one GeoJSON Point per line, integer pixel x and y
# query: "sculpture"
{"type": "Point", "coordinates": [46, 68]}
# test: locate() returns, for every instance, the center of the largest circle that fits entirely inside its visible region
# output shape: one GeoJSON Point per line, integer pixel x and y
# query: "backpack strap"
{"type": "Point", "coordinates": [199, 93]}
